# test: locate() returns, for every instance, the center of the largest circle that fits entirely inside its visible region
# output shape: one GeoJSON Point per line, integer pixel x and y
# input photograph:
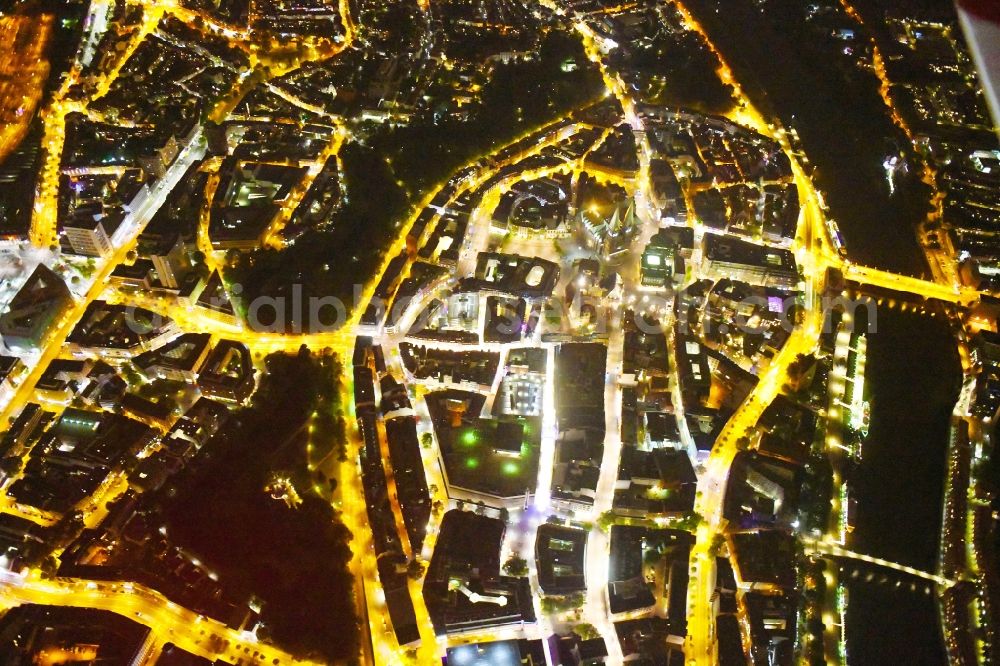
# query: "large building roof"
{"type": "Point", "coordinates": [33, 308]}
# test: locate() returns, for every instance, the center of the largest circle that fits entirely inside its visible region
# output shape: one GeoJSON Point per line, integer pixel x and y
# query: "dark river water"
{"type": "Point", "coordinates": [913, 376]}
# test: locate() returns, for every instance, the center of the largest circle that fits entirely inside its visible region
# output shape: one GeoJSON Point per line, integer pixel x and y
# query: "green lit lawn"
{"type": "Point", "coordinates": [472, 463]}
